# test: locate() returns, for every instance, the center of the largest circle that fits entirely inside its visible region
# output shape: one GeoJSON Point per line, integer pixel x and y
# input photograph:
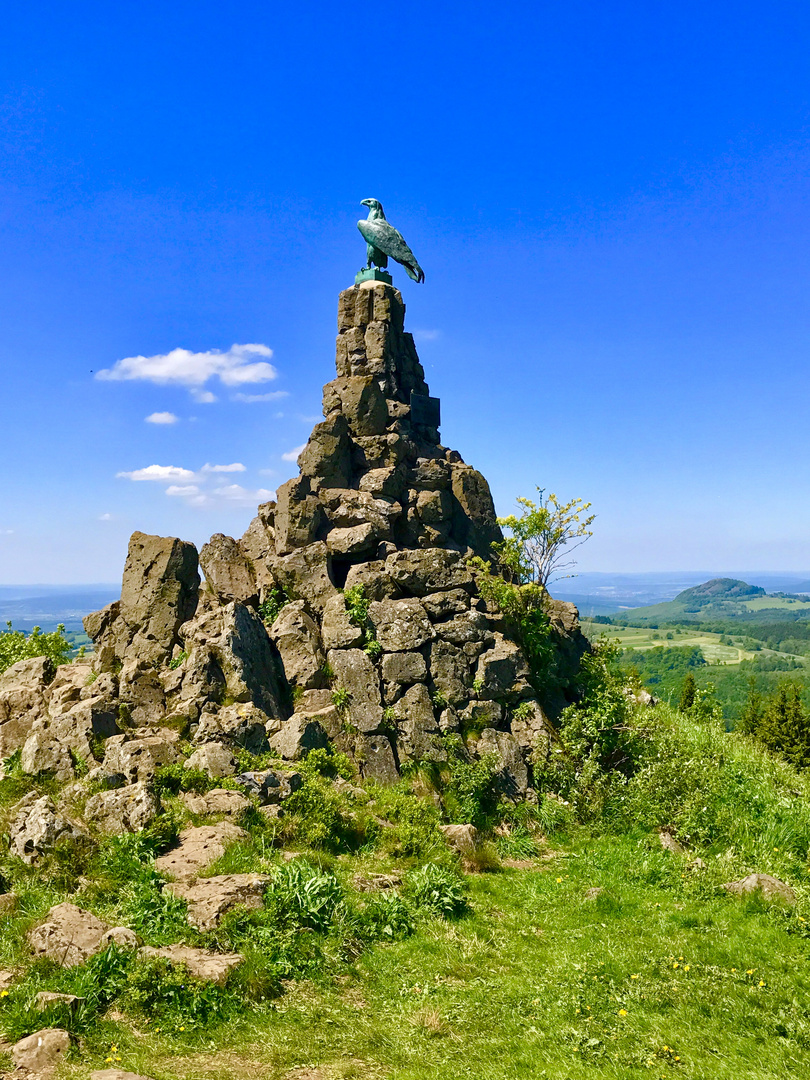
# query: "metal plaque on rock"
{"type": "Point", "coordinates": [425, 411]}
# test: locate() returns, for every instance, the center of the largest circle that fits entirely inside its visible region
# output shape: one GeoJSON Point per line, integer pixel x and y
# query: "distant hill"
{"type": "Point", "coordinates": [722, 588]}
{"type": "Point", "coordinates": [720, 599]}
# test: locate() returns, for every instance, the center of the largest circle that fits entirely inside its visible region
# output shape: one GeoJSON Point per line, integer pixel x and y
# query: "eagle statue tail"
{"type": "Point", "coordinates": [414, 271]}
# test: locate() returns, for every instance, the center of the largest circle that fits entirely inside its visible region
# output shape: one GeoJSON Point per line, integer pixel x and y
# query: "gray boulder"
{"type": "Point", "coordinates": [69, 936]}
{"type": "Point", "coordinates": [210, 898]}
{"type": "Point", "coordinates": [43, 754]}
{"type": "Point", "coordinates": [400, 625]}
{"type": "Point", "coordinates": [270, 786]}
{"type": "Point", "coordinates": [201, 964]}
{"type": "Point", "coordinates": [39, 1054]}
{"type": "Point", "coordinates": [197, 848]}
{"type": "Point", "coordinates": [375, 756]}
{"type": "Point", "coordinates": [126, 809]}
{"type": "Point", "coordinates": [228, 571]}
{"type": "Point", "coordinates": [219, 801]}
{"type": "Point", "coordinates": [294, 738]}
{"type": "Point", "coordinates": [360, 401]}
{"type": "Point", "coordinates": [238, 725]}
{"type": "Point", "coordinates": [22, 700]}
{"type": "Point", "coordinates": [502, 670]}
{"type": "Point", "coordinates": [337, 629]}
{"type": "Point", "coordinates": [213, 758]}
{"type": "Point", "coordinates": [299, 516]}
{"type": "Point", "coordinates": [404, 668]}
{"type": "Point", "coordinates": [768, 886]}
{"type": "Point", "coordinates": [327, 457]}
{"type": "Point", "coordinates": [418, 734]}
{"type": "Point", "coordinates": [428, 571]}
{"type": "Point", "coordinates": [355, 673]}
{"type": "Point", "coordinates": [158, 594]}
{"type": "Point", "coordinates": [450, 672]}
{"type": "Point", "coordinates": [137, 759]}
{"type": "Point", "coordinates": [513, 775]}
{"type": "Point", "coordinates": [298, 641]}
{"type": "Point", "coordinates": [37, 828]}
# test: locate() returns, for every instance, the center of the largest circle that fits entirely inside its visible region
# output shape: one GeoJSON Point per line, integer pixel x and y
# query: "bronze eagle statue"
{"type": "Point", "coordinates": [383, 240]}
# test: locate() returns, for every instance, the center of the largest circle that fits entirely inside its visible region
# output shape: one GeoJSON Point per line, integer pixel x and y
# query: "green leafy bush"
{"type": "Point", "coordinates": [306, 897]}
{"type": "Point", "coordinates": [416, 823]}
{"type": "Point", "coordinates": [161, 990]}
{"type": "Point", "coordinates": [437, 890]}
{"type": "Point", "coordinates": [388, 916]}
{"type": "Point", "coordinates": [471, 793]}
{"type": "Point", "coordinates": [16, 646]}
{"type": "Point", "coordinates": [174, 778]}
{"type": "Point", "coordinates": [275, 599]}
{"type": "Point", "coordinates": [318, 815]}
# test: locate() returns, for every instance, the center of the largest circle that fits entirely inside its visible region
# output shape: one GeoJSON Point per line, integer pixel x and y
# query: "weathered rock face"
{"type": "Point", "coordinates": [158, 594]}
{"type": "Point", "coordinates": [69, 936]}
{"type": "Point", "coordinates": [39, 1054]}
{"type": "Point", "coordinates": [379, 503]}
{"type": "Point", "coordinates": [22, 700]}
{"type": "Point", "coordinates": [38, 828]}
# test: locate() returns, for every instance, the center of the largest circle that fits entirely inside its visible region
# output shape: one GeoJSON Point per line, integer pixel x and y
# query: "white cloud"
{"type": "Point", "coordinates": [203, 397]}
{"type": "Point", "coordinates": [237, 466]}
{"type": "Point", "coordinates": [292, 455]}
{"type": "Point", "coordinates": [191, 487]}
{"type": "Point", "coordinates": [241, 365]}
{"type": "Point", "coordinates": [162, 418]}
{"type": "Point", "coordinates": [164, 474]}
{"type": "Point", "coordinates": [6, 532]}
{"type": "Point", "coordinates": [235, 493]}
{"type": "Point", "coordinates": [105, 517]}
{"type": "Point", "coordinates": [426, 335]}
{"type": "Point", "coordinates": [274, 395]}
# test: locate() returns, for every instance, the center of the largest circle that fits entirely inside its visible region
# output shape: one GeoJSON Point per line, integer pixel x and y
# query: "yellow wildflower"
{"type": "Point", "coordinates": [750, 971]}
{"type": "Point", "coordinates": [761, 983]}
{"type": "Point", "coordinates": [622, 1012]}
{"type": "Point", "coordinates": [686, 967]}
{"type": "Point", "coordinates": [635, 976]}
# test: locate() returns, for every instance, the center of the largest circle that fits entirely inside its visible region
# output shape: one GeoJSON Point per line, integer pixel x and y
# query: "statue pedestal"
{"type": "Point", "coordinates": [373, 275]}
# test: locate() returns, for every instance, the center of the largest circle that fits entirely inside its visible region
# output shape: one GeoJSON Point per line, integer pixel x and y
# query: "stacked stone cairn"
{"type": "Point", "coordinates": [382, 648]}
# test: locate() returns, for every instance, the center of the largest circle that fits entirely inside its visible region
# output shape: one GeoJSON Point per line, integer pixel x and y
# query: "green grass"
{"type": "Point", "coordinates": [537, 980]}
{"type": "Point", "coordinates": [515, 973]}
{"type": "Point", "coordinates": [714, 651]}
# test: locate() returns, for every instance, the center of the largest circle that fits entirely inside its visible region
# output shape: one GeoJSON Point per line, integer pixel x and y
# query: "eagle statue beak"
{"type": "Point", "coordinates": [367, 202]}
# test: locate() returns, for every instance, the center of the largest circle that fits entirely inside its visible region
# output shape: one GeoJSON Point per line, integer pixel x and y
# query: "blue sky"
{"type": "Point", "coordinates": [609, 201]}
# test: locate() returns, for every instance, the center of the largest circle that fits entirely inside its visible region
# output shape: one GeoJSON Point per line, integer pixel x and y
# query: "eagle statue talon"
{"type": "Point", "coordinates": [384, 241]}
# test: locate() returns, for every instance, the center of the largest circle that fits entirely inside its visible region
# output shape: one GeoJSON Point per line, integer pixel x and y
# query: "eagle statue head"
{"type": "Point", "coordinates": [375, 209]}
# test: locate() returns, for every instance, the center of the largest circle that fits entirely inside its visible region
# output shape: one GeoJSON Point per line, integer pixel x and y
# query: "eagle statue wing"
{"type": "Point", "coordinates": [389, 240]}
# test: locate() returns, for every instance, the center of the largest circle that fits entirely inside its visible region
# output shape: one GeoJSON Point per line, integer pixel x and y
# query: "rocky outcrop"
{"type": "Point", "coordinates": [210, 898]}
{"type": "Point", "coordinates": [37, 828]}
{"type": "Point", "coordinates": [379, 506]}
{"type": "Point", "coordinates": [768, 886]}
{"type": "Point", "coordinates": [200, 963]}
{"type": "Point", "coordinates": [127, 809]}
{"type": "Point", "coordinates": [69, 936]}
{"type": "Point", "coordinates": [23, 687]}
{"type": "Point", "coordinates": [39, 1054]}
{"type": "Point", "coordinates": [198, 848]}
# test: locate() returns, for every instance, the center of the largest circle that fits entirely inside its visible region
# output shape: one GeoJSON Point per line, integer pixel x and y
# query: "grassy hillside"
{"type": "Point", "coordinates": [722, 599]}
{"type": "Point", "coordinates": [588, 952]}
